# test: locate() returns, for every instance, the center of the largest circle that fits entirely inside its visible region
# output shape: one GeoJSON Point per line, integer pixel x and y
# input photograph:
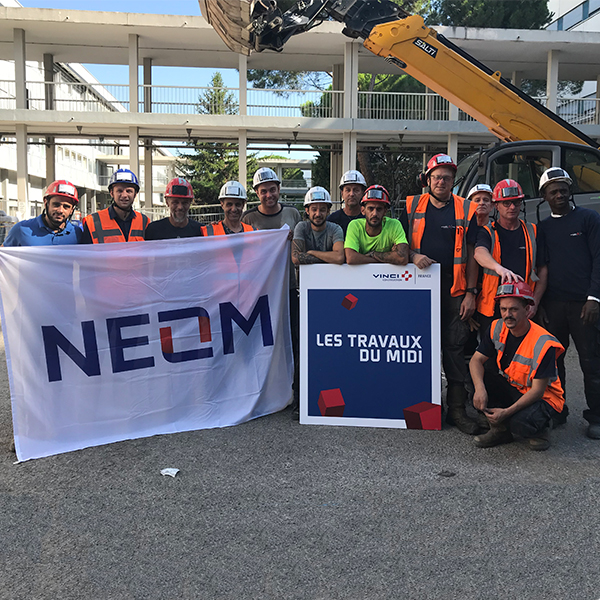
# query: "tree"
{"type": "Point", "coordinates": [211, 164]}
{"type": "Point", "coordinates": [503, 14]}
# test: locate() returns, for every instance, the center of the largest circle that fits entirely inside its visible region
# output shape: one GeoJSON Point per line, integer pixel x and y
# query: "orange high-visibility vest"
{"type": "Point", "coordinates": [105, 230]}
{"type": "Point", "coordinates": [415, 209]}
{"type": "Point", "coordinates": [524, 365]}
{"type": "Point", "coordinates": [491, 280]}
{"type": "Point", "coordinates": [218, 229]}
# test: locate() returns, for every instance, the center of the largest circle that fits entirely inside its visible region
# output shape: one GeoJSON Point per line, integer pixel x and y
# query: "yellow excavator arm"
{"type": "Point", "coordinates": [485, 96]}
{"type": "Point", "coordinates": [405, 40]}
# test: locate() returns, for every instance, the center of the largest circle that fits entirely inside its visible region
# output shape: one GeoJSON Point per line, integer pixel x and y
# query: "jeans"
{"type": "Point", "coordinates": [564, 321]}
{"type": "Point", "coordinates": [455, 334]}
{"type": "Point", "coordinates": [529, 422]}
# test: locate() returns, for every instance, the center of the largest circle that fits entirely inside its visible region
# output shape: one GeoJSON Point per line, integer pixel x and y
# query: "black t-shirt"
{"type": "Point", "coordinates": [163, 230]}
{"type": "Point", "coordinates": [513, 249]}
{"type": "Point", "coordinates": [440, 234]}
{"type": "Point", "coordinates": [572, 251]}
{"type": "Point", "coordinates": [342, 219]}
{"type": "Point", "coordinates": [547, 368]}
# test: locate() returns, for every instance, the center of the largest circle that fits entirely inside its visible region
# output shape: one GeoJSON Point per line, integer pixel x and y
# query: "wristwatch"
{"type": "Point", "coordinates": [473, 291]}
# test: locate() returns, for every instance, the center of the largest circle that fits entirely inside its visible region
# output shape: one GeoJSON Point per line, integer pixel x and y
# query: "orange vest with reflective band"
{"type": "Point", "coordinates": [415, 209]}
{"type": "Point", "coordinates": [218, 229]}
{"type": "Point", "coordinates": [105, 230]}
{"type": "Point", "coordinates": [524, 365]}
{"type": "Point", "coordinates": [491, 280]}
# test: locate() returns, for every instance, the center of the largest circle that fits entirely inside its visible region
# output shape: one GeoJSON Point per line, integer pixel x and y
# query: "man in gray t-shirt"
{"type": "Point", "coordinates": [317, 240]}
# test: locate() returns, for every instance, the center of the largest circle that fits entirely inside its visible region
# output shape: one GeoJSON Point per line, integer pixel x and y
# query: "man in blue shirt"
{"type": "Point", "coordinates": [52, 227]}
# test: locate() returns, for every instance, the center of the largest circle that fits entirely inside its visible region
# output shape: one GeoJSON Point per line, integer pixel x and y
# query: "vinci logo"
{"type": "Point", "coordinates": [89, 360]}
{"type": "Point", "coordinates": [406, 276]}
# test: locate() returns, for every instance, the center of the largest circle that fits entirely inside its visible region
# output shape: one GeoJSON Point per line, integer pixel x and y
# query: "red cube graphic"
{"type": "Point", "coordinates": [349, 301]}
{"type": "Point", "coordinates": [423, 415]}
{"type": "Point", "coordinates": [331, 403]}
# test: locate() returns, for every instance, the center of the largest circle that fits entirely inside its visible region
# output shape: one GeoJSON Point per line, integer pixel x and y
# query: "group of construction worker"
{"type": "Point", "coordinates": [497, 274]}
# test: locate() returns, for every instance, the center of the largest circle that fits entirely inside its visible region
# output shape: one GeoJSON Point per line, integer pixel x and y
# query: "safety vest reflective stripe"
{"type": "Point", "coordinates": [105, 230]}
{"type": "Point", "coordinates": [523, 367]}
{"type": "Point", "coordinates": [99, 235]}
{"type": "Point", "coordinates": [464, 211]}
{"type": "Point", "coordinates": [491, 280]}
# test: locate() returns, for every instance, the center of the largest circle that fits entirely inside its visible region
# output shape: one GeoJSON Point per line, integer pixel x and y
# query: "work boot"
{"type": "Point", "coordinates": [494, 437]}
{"type": "Point", "coordinates": [542, 442]}
{"type": "Point", "coordinates": [456, 399]}
{"type": "Point", "coordinates": [482, 421]}
{"type": "Point", "coordinates": [593, 431]}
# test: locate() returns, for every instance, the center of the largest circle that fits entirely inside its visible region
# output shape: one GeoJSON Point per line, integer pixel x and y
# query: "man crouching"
{"type": "Point", "coordinates": [521, 394]}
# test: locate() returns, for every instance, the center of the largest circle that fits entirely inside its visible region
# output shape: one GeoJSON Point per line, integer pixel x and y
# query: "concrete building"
{"type": "Point", "coordinates": [574, 15]}
{"type": "Point", "coordinates": [142, 115]}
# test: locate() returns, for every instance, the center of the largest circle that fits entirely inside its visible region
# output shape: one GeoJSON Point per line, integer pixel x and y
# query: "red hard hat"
{"type": "Point", "coordinates": [515, 290]}
{"type": "Point", "coordinates": [507, 189]}
{"type": "Point", "coordinates": [376, 193]}
{"type": "Point", "coordinates": [62, 188]}
{"type": "Point", "coordinates": [179, 188]}
{"type": "Point", "coordinates": [439, 160]}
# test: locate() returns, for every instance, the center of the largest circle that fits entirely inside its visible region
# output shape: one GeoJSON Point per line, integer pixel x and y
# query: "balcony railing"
{"type": "Point", "coordinates": [396, 106]}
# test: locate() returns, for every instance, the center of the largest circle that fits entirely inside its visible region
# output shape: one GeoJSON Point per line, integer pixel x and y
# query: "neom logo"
{"type": "Point", "coordinates": [89, 360]}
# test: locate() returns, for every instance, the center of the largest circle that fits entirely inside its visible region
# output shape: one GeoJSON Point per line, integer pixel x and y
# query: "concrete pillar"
{"type": "Point", "coordinates": [517, 78]}
{"type": "Point", "coordinates": [148, 171]}
{"type": "Point", "coordinates": [243, 157]}
{"type": "Point", "coordinates": [22, 183]}
{"type": "Point", "coordinates": [20, 67]}
{"type": "Point", "coordinates": [93, 203]}
{"type": "Point", "coordinates": [4, 190]}
{"type": "Point", "coordinates": [133, 72]}
{"type": "Point", "coordinates": [49, 81]}
{"type": "Point", "coordinates": [336, 171]}
{"type": "Point", "coordinates": [552, 79]}
{"type": "Point", "coordinates": [134, 153]}
{"type": "Point", "coordinates": [597, 111]}
{"type": "Point", "coordinates": [49, 104]}
{"type": "Point", "coordinates": [452, 112]}
{"type": "Point", "coordinates": [243, 85]}
{"type": "Point", "coordinates": [50, 160]}
{"type": "Point", "coordinates": [147, 84]}
{"type": "Point", "coordinates": [337, 85]}
{"type": "Point", "coordinates": [350, 80]}
{"type": "Point", "coordinates": [348, 152]}
{"type": "Point", "coordinates": [453, 146]}
{"type": "Point", "coordinates": [429, 105]}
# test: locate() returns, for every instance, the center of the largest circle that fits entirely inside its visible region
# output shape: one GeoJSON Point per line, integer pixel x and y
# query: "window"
{"type": "Point", "coordinates": [526, 168]}
{"type": "Point", "coordinates": [573, 17]}
{"type": "Point", "coordinates": [584, 169]}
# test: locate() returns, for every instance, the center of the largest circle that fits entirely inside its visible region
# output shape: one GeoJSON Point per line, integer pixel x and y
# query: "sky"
{"type": "Point", "coordinates": [175, 7]}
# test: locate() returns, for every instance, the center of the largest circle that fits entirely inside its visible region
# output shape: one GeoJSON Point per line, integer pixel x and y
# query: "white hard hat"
{"type": "Point", "coordinates": [480, 187]}
{"type": "Point", "coordinates": [264, 175]}
{"type": "Point", "coordinates": [352, 176]}
{"type": "Point", "coordinates": [232, 189]}
{"type": "Point", "coordinates": [317, 194]}
{"type": "Point", "coordinates": [554, 175]}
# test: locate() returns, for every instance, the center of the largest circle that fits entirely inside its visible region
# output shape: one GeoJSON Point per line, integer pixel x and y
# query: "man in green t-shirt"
{"type": "Point", "coordinates": [376, 238]}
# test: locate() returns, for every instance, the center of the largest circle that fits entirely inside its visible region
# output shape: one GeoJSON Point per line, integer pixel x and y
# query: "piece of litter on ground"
{"type": "Point", "coordinates": [446, 474]}
{"type": "Point", "coordinates": [171, 472]}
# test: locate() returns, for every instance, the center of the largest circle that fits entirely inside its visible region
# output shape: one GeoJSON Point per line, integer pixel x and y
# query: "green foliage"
{"type": "Point", "coordinates": [211, 164]}
{"type": "Point", "coordinates": [320, 170]}
{"type": "Point", "coordinates": [217, 100]}
{"type": "Point", "coordinates": [267, 79]}
{"type": "Point", "coordinates": [503, 14]}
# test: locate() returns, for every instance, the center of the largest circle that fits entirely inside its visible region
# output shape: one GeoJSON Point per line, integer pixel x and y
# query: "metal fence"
{"type": "Point", "coordinates": [96, 97]}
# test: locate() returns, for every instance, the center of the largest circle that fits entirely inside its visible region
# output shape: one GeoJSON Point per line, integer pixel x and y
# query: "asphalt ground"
{"type": "Point", "coordinates": [273, 509]}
